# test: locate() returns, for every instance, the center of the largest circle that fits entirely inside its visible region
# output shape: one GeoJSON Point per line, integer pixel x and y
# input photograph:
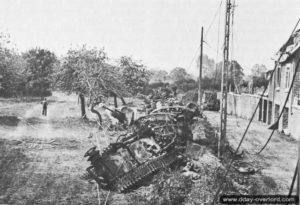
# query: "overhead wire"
{"type": "Point", "coordinates": [195, 55]}
{"type": "Point", "coordinates": [209, 46]}
{"type": "Point", "coordinates": [282, 110]}
{"type": "Point", "coordinates": [242, 139]}
{"type": "Point", "coordinates": [218, 41]}
{"type": "Point", "coordinates": [213, 20]}
{"type": "Point", "coordinates": [250, 121]}
{"type": "Point", "coordinates": [206, 33]}
{"type": "Point", "coordinates": [287, 96]}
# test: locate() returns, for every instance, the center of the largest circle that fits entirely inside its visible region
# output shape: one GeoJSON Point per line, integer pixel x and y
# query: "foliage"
{"type": "Point", "coordinates": [208, 67]}
{"type": "Point", "coordinates": [27, 74]}
{"type": "Point", "coordinates": [258, 70]}
{"type": "Point", "coordinates": [134, 74]}
{"type": "Point", "coordinates": [86, 71]}
{"type": "Point", "coordinates": [178, 74]}
{"type": "Point", "coordinates": [186, 84]}
{"type": "Point", "coordinates": [157, 85]}
{"type": "Point", "coordinates": [210, 84]}
{"type": "Point", "coordinates": [12, 81]}
{"type": "Point", "coordinates": [39, 69]}
{"type": "Point", "coordinates": [260, 81]}
{"type": "Point", "coordinates": [258, 76]}
{"type": "Point", "coordinates": [236, 75]}
{"type": "Point", "coordinates": [158, 76]}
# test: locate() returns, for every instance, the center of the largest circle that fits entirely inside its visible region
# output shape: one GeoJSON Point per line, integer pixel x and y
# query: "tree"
{"type": "Point", "coordinates": [87, 73]}
{"type": "Point", "coordinates": [39, 69]}
{"type": "Point", "coordinates": [186, 84]}
{"type": "Point", "coordinates": [208, 66]}
{"type": "Point", "coordinates": [178, 74]}
{"type": "Point", "coordinates": [12, 78]}
{"type": "Point", "coordinates": [213, 81]}
{"type": "Point", "coordinates": [134, 74]}
{"type": "Point", "coordinates": [11, 75]}
{"type": "Point", "coordinates": [236, 75]}
{"type": "Point", "coordinates": [258, 70]}
{"type": "Point", "coordinates": [258, 75]}
{"type": "Point", "coordinates": [158, 76]}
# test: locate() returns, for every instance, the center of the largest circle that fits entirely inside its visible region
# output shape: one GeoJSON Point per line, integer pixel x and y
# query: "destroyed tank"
{"type": "Point", "coordinates": [185, 113]}
{"type": "Point", "coordinates": [136, 156]}
{"type": "Point", "coordinates": [157, 119]}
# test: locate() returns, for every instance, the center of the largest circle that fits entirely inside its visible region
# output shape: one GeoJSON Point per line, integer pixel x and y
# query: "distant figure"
{"type": "Point", "coordinates": [45, 104]}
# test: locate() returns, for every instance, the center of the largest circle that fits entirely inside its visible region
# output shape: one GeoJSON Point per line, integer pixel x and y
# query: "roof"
{"type": "Point", "coordinates": [289, 48]}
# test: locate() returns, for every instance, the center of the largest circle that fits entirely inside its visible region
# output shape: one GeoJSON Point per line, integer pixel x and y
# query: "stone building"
{"type": "Point", "coordinates": [243, 105]}
{"type": "Point", "coordinates": [279, 85]}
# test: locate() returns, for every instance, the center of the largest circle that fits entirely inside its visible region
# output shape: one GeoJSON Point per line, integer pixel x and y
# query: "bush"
{"type": "Point", "coordinates": [39, 93]}
{"type": "Point", "coordinates": [260, 81]}
{"type": "Point", "coordinates": [185, 85]}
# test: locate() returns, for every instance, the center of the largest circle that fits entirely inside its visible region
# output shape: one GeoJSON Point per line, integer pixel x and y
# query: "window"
{"type": "Point", "coordinates": [278, 77]}
{"type": "Point", "coordinates": [287, 78]}
{"type": "Point", "coordinates": [297, 100]}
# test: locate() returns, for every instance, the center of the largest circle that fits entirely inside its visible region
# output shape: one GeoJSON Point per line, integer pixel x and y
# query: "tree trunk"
{"type": "Point", "coordinates": [96, 112]}
{"type": "Point", "coordinates": [123, 101]}
{"type": "Point", "coordinates": [115, 100]}
{"type": "Point", "coordinates": [82, 103]}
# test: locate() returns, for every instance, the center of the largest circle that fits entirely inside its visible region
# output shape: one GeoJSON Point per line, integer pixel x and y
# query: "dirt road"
{"type": "Point", "coordinates": [277, 162]}
{"type": "Point", "coordinates": [42, 157]}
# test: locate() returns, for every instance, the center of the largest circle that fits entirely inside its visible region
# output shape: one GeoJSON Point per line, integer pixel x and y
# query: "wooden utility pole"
{"type": "Point", "coordinates": [200, 71]}
{"type": "Point", "coordinates": [224, 83]}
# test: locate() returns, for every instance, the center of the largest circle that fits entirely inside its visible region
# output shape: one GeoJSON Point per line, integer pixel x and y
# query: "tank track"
{"type": "Point", "coordinates": [134, 176]}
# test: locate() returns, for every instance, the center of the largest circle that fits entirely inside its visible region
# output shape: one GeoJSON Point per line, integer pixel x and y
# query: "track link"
{"type": "Point", "coordinates": [136, 175]}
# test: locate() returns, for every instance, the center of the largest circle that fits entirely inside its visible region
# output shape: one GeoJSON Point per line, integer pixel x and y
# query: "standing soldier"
{"type": "Point", "coordinates": [45, 104]}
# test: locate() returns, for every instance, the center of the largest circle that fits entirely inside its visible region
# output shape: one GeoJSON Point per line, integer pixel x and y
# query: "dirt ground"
{"type": "Point", "coordinates": [42, 159]}
{"type": "Point", "coordinates": [42, 156]}
{"type": "Point", "coordinates": [276, 163]}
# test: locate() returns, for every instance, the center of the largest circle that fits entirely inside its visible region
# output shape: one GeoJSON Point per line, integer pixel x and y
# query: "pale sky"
{"type": "Point", "coordinates": [164, 34]}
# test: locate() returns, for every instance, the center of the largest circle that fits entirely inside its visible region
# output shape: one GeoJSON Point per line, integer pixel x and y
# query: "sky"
{"type": "Point", "coordinates": [163, 34]}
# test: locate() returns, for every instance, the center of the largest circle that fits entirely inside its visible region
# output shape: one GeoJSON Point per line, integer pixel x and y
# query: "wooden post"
{"type": "Point", "coordinates": [200, 72]}
{"type": "Point", "coordinates": [224, 83]}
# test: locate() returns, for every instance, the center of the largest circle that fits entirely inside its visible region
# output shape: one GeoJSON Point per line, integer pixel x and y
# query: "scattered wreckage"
{"type": "Point", "coordinates": [152, 143]}
{"type": "Point", "coordinates": [156, 141]}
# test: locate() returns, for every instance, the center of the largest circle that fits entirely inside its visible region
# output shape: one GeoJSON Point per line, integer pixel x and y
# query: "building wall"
{"type": "Point", "coordinates": [242, 105]}
{"type": "Point", "coordinates": [296, 88]}
{"type": "Point", "coordinates": [277, 93]}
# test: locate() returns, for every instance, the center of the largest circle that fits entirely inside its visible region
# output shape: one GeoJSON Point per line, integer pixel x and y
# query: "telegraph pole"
{"type": "Point", "coordinates": [224, 83]}
{"type": "Point", "coordinates": [200, 71]}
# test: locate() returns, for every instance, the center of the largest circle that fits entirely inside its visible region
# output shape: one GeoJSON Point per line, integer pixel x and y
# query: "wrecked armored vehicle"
{"type": "Point", "coordinates": [182, 112]}
{"type": "Point", "coordinates": [136, 156]}
{"type": "Point", "coordinates": [156, 118]}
